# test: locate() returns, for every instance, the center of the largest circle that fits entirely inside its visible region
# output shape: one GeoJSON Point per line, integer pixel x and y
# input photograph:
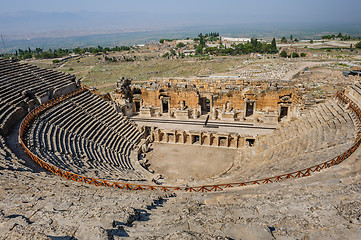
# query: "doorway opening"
{"type": "Point", "coordinates": [170, 137]}
{"type": "Point", "coordinates": [165, 106]}
{"type": "Point", "coordinates": [223, 142]}
{"type": "Point", "coordinates": [283, 112]}
{"type": "Point", "coordinates": [195, 139]}
{"type": "Point", "coordinates": [137, 106]}
{"type": "Point", "coordinates": [250, 142]}
{"type": "Point", "coordinates": [249, 109]}
{"type": "Point", "coordinates": [208, 105]}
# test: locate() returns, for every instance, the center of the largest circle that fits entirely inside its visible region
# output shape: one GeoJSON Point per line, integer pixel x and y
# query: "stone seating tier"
{"type": "Point", "coordinates": [21, 82]}
{"type": "Point", "coordinates": [318, 135]}
{"type": "Point", "coordinates": [76, 132]}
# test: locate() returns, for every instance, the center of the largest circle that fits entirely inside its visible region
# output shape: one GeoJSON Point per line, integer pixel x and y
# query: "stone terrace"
{"type": "Point", "coordinates": [23, 86]}
{"type": "Point", "coordinates": [85, 135]}
{"type": "Point", "coordinates": [317, 136]}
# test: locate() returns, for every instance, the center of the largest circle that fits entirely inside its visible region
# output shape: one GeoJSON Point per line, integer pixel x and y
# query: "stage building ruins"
{"type": "Point", "coordinates": [220, 98]}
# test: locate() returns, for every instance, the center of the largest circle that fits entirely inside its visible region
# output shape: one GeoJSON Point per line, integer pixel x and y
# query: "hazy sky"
{"type": "Point", "coordinates": [19, 16]}
{"type": "Point", "coordinates": [345, 9]}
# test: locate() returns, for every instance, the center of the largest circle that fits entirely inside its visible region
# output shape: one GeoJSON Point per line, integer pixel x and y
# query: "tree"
{"type": "Point", "coordinates": [180, 45]}
{"type": "Point", "coordinates": [124, 48]}
{"type": "Point", "coordinates": [274, 46]}
{"type": "Point", "coordinates": [199, 49]}
{"type": "Point", "coordinates": [346, 37]}
{"type": "Point", "coordinates": [295, 55]}
{"type": "Point", "coordinates": [303, 54]}
{"type": "Point", "coordinates": [283, 54]}
{"type": "Point", "coordinates": [202, 40]}
{"type": "Point", "coordinates": [116, 49]}
{"type": "Point", "coordinates": [273, 43]}
{"type": "Point", "coordinates": [358, 45]}
{"type": "Point", "coordinates": [173, 52]}
{"type": "Point", "coordinates": [254, 42]}
{"type": "Point", "coordinates": [291, 38]}
{"type": "Point", "coordinates": [77, 50]}
{"type": "Point", "coordinates": [221, 45]}
{"type": "Point", "coordinates": [311, 41]}
{"type": "Point", "coordinates": [284, 39]}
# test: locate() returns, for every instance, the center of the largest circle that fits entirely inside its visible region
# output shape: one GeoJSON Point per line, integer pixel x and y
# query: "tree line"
{"type": "Point", "coordinates": [340, 36]}
{"type": "Point", "coordinates": [39, 53]}
{"type": "Point", "coordinates": [253, 46]}
{"type": "Point", "coordinates": [201, 47]}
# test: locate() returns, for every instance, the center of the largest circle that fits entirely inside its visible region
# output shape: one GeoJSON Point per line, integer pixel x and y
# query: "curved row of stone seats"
{"type": "Point", "coordinates": [102, 111]}
{"type": "Point", "coordinates": [75, 154]}
{"type": "Point", "coordinates": [357, 87]}
{"type": "Point", "coordinates": [75, 138]}
{"type": "Point", "coordinates": [79, 122]}
{"type": "Point", "coordinates": [354, 92]}
{"type": "Point", "coordinates": [94, 169]}
{"type": "Point", "coordinates": [32, 77]}
{"type": "Point", "coordinates": [326, 114]}
{"type": "Point", "coordinates": [23, 86]}
{"type": "Point", "coordinates": [8, 67]}
{"type": "Point", "coordinates": [68, 143]}
{"type": "Point", "coordinates": [317, 136]}
{"type": "Point", "coordinates": [5, 110]}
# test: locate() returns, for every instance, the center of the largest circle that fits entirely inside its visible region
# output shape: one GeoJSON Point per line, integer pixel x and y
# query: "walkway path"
{"type": "Point", "coordinates": [243, 128]}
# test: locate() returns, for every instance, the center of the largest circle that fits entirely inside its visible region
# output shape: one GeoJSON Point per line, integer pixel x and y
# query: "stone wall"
{"type": "Point", "coordinates": [224, 99]}
{"type": "Point", "coordinates": [153, 97]}
{"type": "Point", "coordinates": [209, 139]}
{"type": "Point", "coordinates": [64, 90]}
{"type": "Point", "coordinates": [10, 120]}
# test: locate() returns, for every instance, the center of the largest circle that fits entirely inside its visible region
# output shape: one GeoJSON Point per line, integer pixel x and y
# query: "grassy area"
{"type": "Point", "coordinates": [94, 71]}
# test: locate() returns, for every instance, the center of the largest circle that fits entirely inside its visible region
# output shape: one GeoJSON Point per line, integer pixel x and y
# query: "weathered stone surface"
{"type": "Point", "coordinates": [326, 205]}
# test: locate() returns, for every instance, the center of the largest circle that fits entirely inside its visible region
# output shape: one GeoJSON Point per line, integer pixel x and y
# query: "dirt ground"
{"type": "Point", "coordinates": [185, 162]}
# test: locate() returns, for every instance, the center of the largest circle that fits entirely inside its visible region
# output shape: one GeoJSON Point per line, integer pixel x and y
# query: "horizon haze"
{"type": "Point", "coordinates": [25, 23]}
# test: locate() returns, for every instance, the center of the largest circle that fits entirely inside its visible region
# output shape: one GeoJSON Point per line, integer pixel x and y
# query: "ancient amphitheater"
{"type": "Point", "coordinates": [73, 165]}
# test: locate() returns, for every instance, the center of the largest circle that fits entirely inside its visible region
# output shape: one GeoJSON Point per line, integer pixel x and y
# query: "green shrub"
{"type": "Point", "coordinates": [295, 55]}
{"type": "Point", "coordinates": [358, 45]}
{"type": "Point", "coordinates": [283, 54]}
{"type": "Point", "coordinates": [180, 45]}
